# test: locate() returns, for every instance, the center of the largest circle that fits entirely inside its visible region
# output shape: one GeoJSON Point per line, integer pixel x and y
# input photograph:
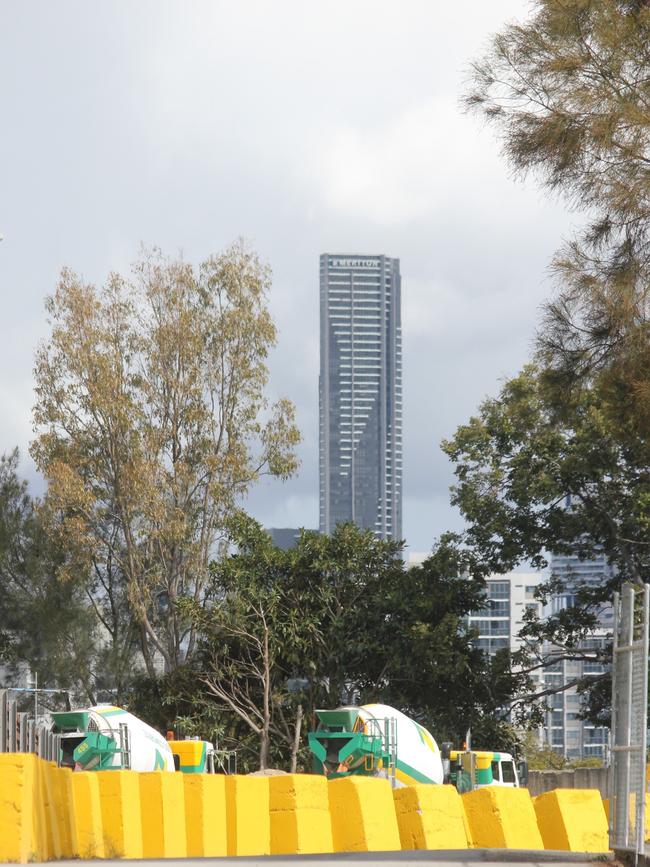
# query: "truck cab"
{"type": "Point", "coordinates": [504, 771]}
{"type": "Point", "coordinates": [475, 769]}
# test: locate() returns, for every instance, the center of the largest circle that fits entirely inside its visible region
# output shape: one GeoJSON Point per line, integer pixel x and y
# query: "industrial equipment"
{"type": "Point", "coordinates": [103, 737]}
{"type": "Point", "coordinates": [374, 740]}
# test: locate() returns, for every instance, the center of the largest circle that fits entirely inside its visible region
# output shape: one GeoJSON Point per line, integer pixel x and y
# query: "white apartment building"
{"type": "Point", "coordinates": [508, 597]}
{"type": "Point", "coordinates": [498, 626]}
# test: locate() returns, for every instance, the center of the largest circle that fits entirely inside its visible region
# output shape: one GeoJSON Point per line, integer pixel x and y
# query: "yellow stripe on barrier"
{"type": "Point", "coordinates": [300, 816]}
{"type": "Point", "coordinates": [247, 810]}
{"type": "Point", "coordinates": [162, 805]}
{"type": "Point", "coordinates": [430, 817]}
{"type": "Point", "coordinates": [49, 794]}
{"type": "Point", "coordinates": [205, 815]}
{"type": "Point", "coordinates": [119, 793]}
{"type": "Point", "coordinates": [64, 809]}
{"type": "Point", "coordinates": [18, 816]}
{"type": "Point", "coordinates": [88, 832]}
{"type": "Point", "coordinates": [363, 815]}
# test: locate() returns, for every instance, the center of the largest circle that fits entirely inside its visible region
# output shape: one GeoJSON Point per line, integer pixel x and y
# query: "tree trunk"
{"type": "Point", "coordinates": [264, 748]}
{"type": "Point", "coordinates": [296, 740]}
{"type": "Point", "coordinates": [266, 710]}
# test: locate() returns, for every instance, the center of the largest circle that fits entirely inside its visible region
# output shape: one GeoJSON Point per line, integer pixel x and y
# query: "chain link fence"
{"type": "Point", "coordinates": [629, 719]}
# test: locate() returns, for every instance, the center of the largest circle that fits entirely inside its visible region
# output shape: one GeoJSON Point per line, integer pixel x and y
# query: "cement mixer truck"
{"type": "Point", "coordinates": [103, 737]}
{"type": "Point", "coordinates": [377, 740]}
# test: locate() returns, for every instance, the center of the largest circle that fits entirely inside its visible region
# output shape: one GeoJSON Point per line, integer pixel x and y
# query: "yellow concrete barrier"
{"type": "Point", "coordinates": [430, 817]}
{"type": "Point", "coordinates": [88, 834]}
{"type": "Point", "coordinates": [48, 792]}
{"type": "Point", "coordinates": [19, 837]}
{"type": "Point", "coordinates": [363, 815]}
{"type": "Point", "coordinates": [119, 794]}
{"type": "Point", "coordinates": [247, 811]}
{"type": "Point", "coordinates": [64, 810]}
{"type": "Point", "coordinates": [205, 815]}
{"type": "Point", "coordinates": [300, 816]}
{"type": "Point", "coordinates": [502, 818]}
{"type": "Point", "coordinates": [41, 813]}
{"type": "Point", "coordinates": [631, 814]}
{"type": "Point", "coordinates": [162, 805]}
{"type": "Point", "coordinates": [573, 820]}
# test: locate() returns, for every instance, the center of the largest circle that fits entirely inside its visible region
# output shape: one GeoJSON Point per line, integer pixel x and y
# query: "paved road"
{"type": "Point", "coordinates": [448, 858]}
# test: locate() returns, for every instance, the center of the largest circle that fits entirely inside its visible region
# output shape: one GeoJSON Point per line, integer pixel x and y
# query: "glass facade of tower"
{"type": "Point", "coordinates": [360, 391]}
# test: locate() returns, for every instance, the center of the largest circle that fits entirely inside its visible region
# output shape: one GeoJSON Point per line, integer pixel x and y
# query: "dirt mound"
{"type": "Point", "coordinates": [269, 772]}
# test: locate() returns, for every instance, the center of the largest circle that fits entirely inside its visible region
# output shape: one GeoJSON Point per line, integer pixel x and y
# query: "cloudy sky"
{"type": "Point", "coordinates": [304, 127]}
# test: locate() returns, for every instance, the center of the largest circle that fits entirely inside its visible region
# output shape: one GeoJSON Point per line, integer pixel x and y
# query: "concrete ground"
{"type": "Point", "coordinates": [449, 858]}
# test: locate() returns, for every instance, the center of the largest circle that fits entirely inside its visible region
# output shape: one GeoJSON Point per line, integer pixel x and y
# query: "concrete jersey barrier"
{"type": "Point", "coordinates": [49, 813]}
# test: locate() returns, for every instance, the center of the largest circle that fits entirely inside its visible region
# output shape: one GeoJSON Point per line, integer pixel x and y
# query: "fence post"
{"type": "Point", "coordinates": [3, 721]}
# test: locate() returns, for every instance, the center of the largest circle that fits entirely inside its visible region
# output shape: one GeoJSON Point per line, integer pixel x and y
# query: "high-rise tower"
{"type": "Point", "coordinates": [360, 392]}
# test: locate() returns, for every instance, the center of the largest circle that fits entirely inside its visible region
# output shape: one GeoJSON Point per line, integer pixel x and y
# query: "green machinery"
{"type": "Point", "coordinates": [85, 747]}
{"type": "Point", "coordinates": [345, 743]}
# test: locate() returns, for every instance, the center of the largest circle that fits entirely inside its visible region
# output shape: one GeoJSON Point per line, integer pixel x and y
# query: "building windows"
{"type": "Point", "coordinates": [360, 388]}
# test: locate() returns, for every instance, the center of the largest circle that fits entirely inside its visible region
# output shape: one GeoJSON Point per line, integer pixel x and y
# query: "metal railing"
{"type": "Point", "coordinates": [385, 728]}
{"type": "Point", "coordinates": [629, 719]}
{"type": "Point", "coordinates": [19, 733]}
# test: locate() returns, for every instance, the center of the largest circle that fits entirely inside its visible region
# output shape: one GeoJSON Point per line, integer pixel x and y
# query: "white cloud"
{"type": "Point", "coordinates": [409, 168]}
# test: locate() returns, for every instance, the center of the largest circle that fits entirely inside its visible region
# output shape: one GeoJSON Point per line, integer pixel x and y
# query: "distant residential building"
{"type": "Point", "coordinates": [284, 537]}
{"type": "Point", "coordinates": [564, 731]}
{"type": "Point", "coordinates": [498, 626]}
{"type": "Point", "coordinates": [499, 623]}
{"type": "Point", "coordinates": [360, 393]}
{"type": "Point", "coordinates": [576, 573]}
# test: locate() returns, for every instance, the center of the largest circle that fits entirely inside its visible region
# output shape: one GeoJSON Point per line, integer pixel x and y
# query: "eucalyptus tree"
{"type": "Point", "coordinates": [152, 422]}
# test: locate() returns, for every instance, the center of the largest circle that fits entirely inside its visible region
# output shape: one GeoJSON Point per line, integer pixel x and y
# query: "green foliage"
{"type": "Point", "coordinates": [541, 757]}
{"type": "Point", "coordinates": [569, 96]}
{"type": "Point", "coordinates": [568, 93]}
{"type": "Point", "coordinates": [519, 459]}
{"type": "Point", "coordinates": [345, 621]}
{"type": "Point", "coordinates": [49, 626]}
{"type": "Point", "coordinates": [152, 423]}
{"type": "Point", "coordinates": [589, 762]}
{"type": "Point", "coordinates": [545, 758]}
{"type": "Point", "coordinates": [535, 474]}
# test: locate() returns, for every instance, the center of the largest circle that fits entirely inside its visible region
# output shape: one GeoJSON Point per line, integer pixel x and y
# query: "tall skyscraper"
{"type": "Point", "coordinates": [360, 392]}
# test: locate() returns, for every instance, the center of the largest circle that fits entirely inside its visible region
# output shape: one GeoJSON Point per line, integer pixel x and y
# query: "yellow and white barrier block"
{"type": "Point", "coordinates": [205, 815]}
{"type": "Point", "coordinates": [119, 796]}
{"type": "Point", "coordinates": [247, 810]}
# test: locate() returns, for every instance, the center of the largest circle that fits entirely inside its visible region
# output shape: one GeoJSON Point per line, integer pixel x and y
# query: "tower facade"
{"type": "Point", "coordinates": [360, 391]}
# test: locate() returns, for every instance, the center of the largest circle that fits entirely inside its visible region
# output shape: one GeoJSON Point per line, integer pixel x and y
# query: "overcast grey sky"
{"type": "Point", "coordinates": [304, 127]}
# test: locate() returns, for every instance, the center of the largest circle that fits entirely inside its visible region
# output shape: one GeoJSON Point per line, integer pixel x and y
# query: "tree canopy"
{"type": "Point", "coordinates": [339, 619]}
{"type": "Point", "coordinates": [152, 423]}
{"type": "Point", "coordinates": [569, 94]}
{"type": "Point", "coordinates": [49, 627]}
{"type": "Point", "coordinates": [559, 462]}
